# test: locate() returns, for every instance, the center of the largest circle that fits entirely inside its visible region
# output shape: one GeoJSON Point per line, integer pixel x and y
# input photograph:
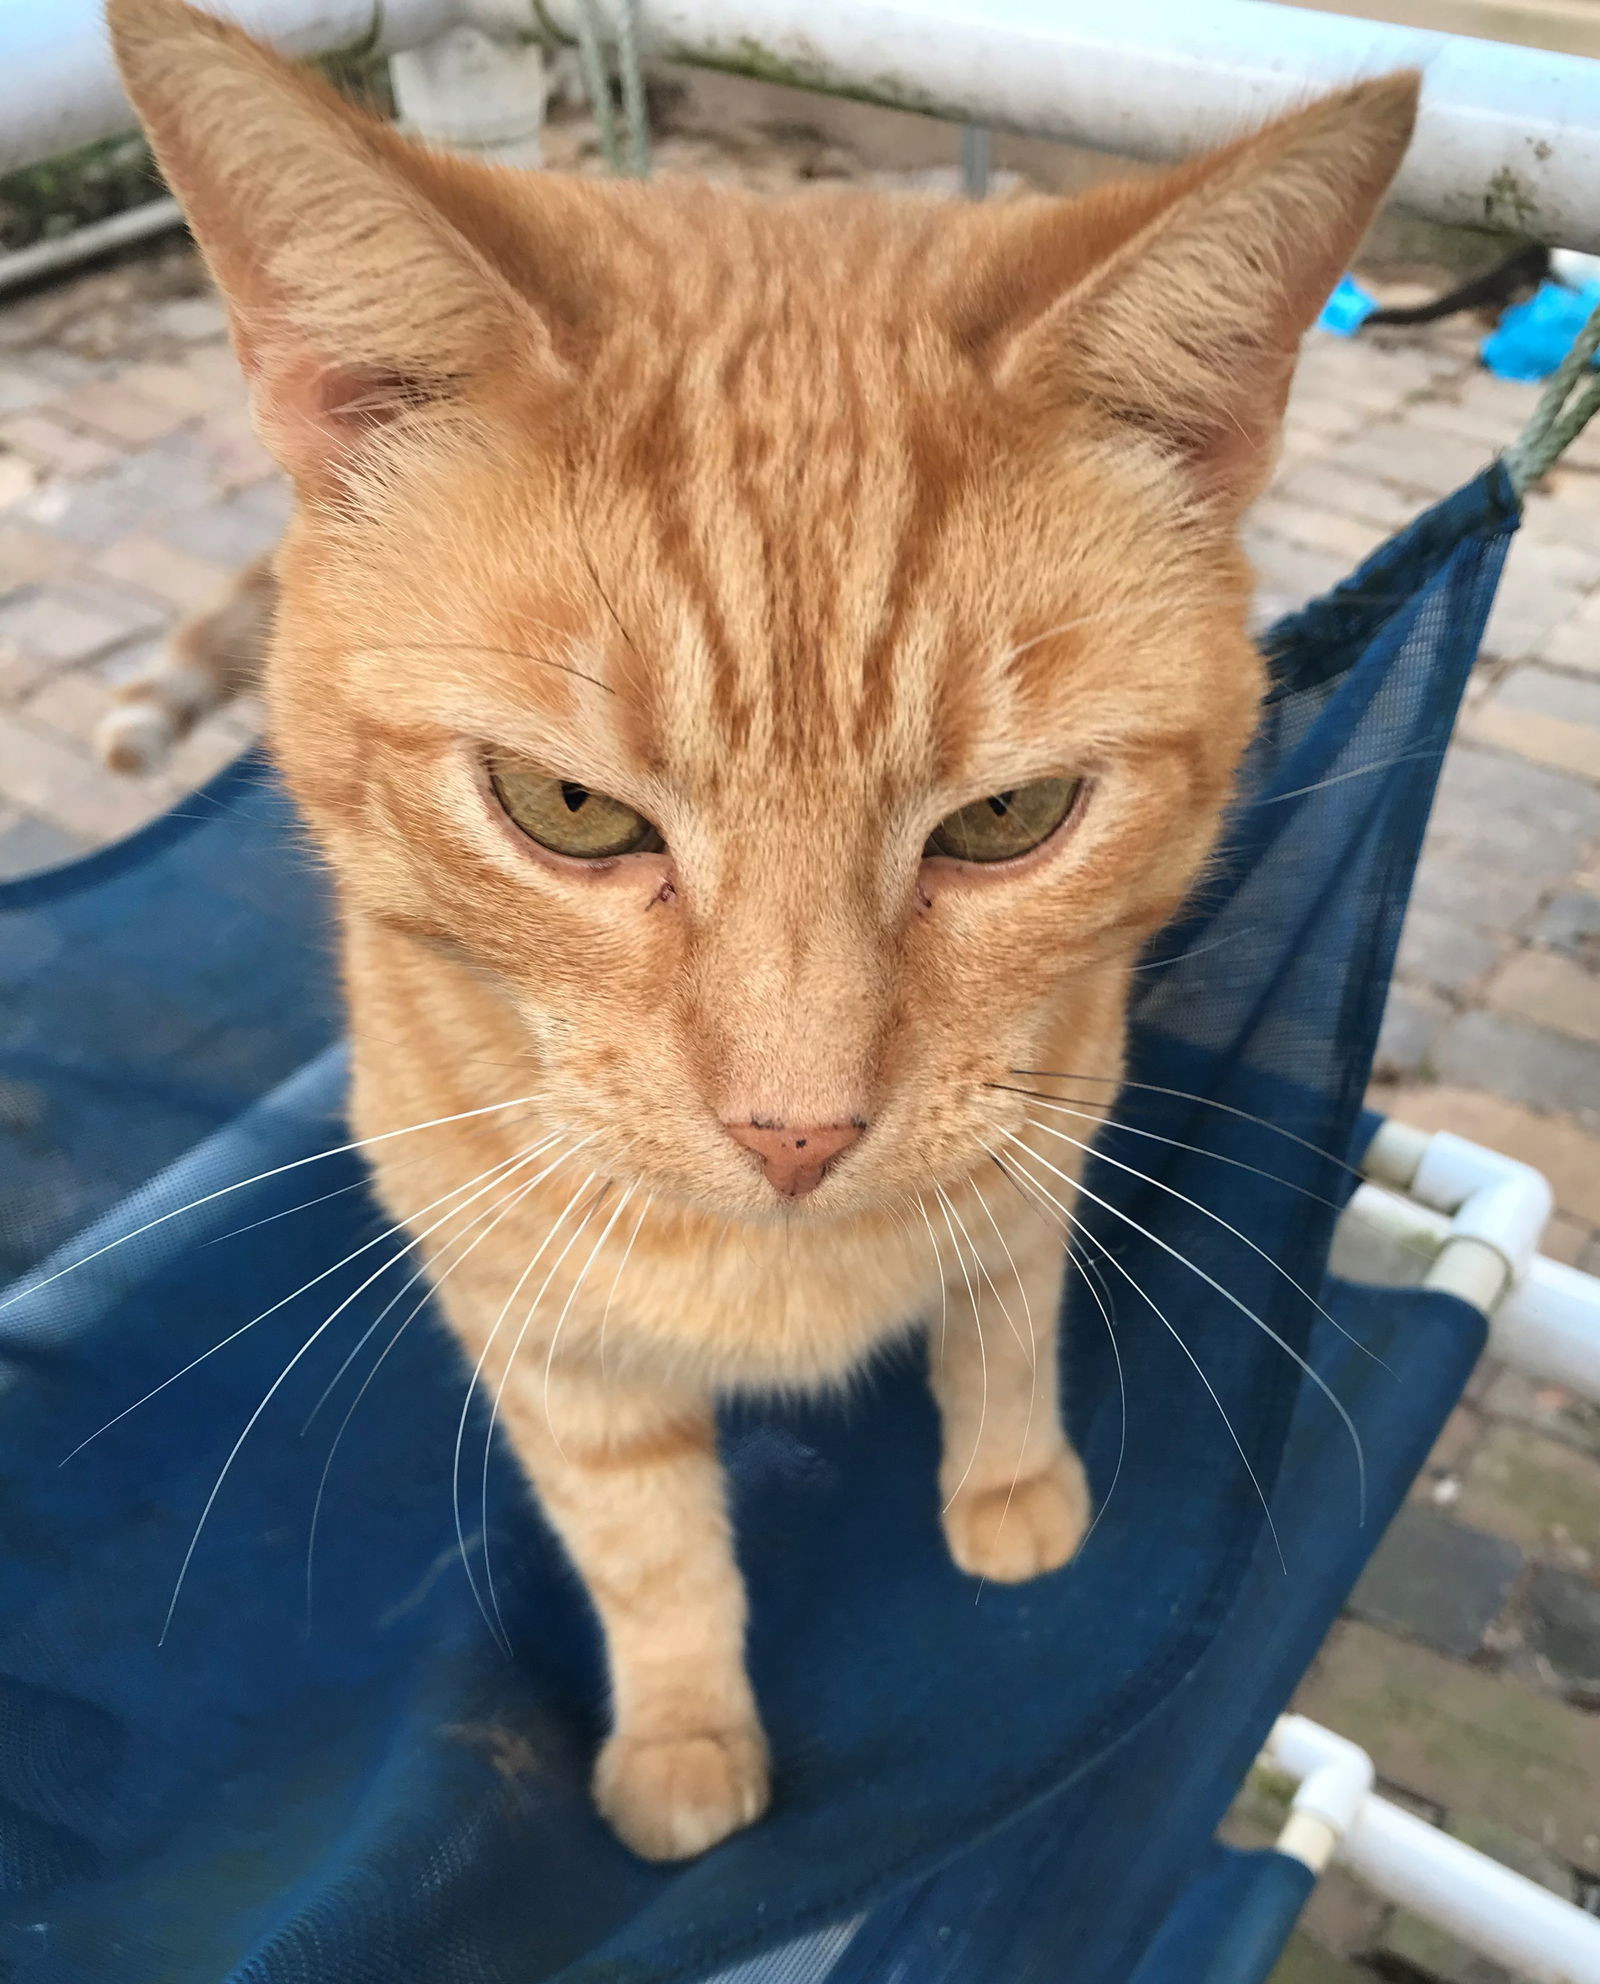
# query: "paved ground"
{"type": "Point", "coordinates": [1470, 1661]}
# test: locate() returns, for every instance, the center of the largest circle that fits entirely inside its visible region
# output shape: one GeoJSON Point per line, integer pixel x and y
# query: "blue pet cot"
{"type": "Point", "coordinates": [321, 1769]}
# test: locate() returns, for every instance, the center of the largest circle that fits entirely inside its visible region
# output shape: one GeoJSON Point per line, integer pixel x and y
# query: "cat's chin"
{"type": "Point", "coordinates": [816, 1209]}
{"type": "Point", "coordinates": [840, 1209]}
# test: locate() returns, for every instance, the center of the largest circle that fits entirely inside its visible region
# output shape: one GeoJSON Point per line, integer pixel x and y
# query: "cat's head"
{"type": "Point", "coordinates": [793, 649]}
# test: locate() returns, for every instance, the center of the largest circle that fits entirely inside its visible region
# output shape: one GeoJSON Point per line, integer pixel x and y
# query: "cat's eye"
{"type": "Point", "coordinates": [1006, 824]}
{"type": "Point", "coordinates": [567, 817]}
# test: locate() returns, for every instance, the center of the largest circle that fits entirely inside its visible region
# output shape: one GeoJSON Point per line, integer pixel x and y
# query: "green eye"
{"type": "Point", "coordinates": [1006, 824]}
{"type": "Point", "coordinates": [567, 817]}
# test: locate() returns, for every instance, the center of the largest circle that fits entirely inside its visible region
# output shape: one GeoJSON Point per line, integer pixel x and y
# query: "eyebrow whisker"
{"type": "Point", "coordinates": [467, 647]}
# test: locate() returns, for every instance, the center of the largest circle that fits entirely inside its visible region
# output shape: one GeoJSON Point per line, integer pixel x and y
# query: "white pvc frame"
{"type": "Point", "coordinates": [1336, 1815]}
{"type": "Point", "coordinates": [1507, 136]}
{"type": "Point", "coordinates": [1481, 1216]}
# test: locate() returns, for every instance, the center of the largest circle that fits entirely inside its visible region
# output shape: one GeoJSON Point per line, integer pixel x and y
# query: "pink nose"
{"type": "Point", "coordinates": [795, 1159]}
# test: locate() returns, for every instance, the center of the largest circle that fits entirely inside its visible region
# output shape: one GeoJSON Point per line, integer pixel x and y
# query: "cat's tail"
{"type": "Point", "coordinates": [1515, 275]}
{"type": "Point", "coordinates": [216, 655]}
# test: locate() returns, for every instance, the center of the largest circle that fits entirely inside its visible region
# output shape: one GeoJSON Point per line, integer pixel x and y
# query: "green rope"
{"type": "Point", "coordinates": [1561, 414]}
{"type": "Point", "coordinates": [588, 19]}
{"type": "Point", "coordinates": [597, 83]}
{"type": "Point", "coordinates": [633, 96]}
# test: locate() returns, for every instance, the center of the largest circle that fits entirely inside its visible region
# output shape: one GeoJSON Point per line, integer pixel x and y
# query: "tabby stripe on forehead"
{"type": "Point", "coordinates": [651, 444]}
{"type": "Point", "coordinates": [933, 482]}
{"type": "Point", "coordinates": [795, 636]}
{"type": "Point", "coordinates": [802, 685]}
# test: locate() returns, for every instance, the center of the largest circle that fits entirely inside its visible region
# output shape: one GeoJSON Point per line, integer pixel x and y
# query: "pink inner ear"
{"type": "Point", "coordinates": [1232, 454]}
{"type": "Point", "coordinates": [314, 416]}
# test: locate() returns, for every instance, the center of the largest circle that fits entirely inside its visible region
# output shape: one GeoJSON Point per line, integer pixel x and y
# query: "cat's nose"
{"type": "Point", "coordinates": [795, 1158]}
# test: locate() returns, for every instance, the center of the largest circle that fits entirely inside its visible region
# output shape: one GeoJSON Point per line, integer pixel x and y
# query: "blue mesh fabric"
{"type": "Point", "coordinates": [147, 995]}
{"type": "Point", "coordinates": [334, 1778]}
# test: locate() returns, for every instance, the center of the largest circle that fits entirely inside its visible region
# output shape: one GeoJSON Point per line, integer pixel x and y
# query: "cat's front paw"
{"type": "Point", "coordinates": [1020, 1531]}
{"type": "Point", "coordinates": [671, 1797]}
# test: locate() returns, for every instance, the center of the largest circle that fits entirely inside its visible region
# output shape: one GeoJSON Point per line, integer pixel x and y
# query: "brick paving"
{"type": "Point", "coordinates": [1469, 1661]}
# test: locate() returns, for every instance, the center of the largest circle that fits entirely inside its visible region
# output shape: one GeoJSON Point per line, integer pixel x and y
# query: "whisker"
{"type": "Point", "coordinates": [233, 1336]}
{"type": "Point", "coordinates": [1287, 1348]}
{"type": "Point", "coordinates": [983, 1355]}
{"type": "Point", "coordinates": [305, 1205]}
{"type": "Point", "coordinates": [477, 1373]}
{"type": "Point", "coordinates": [944, 1293]}
{"type": "Point", "coordinates": [467, 647]}
{"type": "Point", "coordinates": [611, 1293]}
{"type": "Point", "coordinates": [1101, 1291]}
{"type": "Point", "coordinates": [261, 1177]}
{"type": "Point", "coordinates": [499, 1211]}
{"type": "Point", "coordinates": [404, 1289]}
{"type": "Point", "coordinates": [1102, 1301]}
{"type": "Point", "coordinates": [1029, 1345]}
{"type": "Point", "coordinates": [1173, 1192]}
{"type": "Point", "coordinates": [1075, 1222]}
{"type": "Point", "coordinates": [271, 1393]}
{"type": "Point", "coordinates": [901, 1219]}
{"type": "Point", "coordinates": [1346, 1210]}
{"type": "Point", "coordinates": [1111, 1123]}
{"type": "Point", "coordinates": [1126, 610]}
{"type": "Point", "coordinates": [1357, 771]}
{"type": "Point", "coordinates": [499, 1393]}
{"type": "Point", "coordinates": [1222, 943]}
{"type": "Point", "coordinates": [1205, 1101]}
{"type": "Point", "coordinates": [592, 569]}
{"type": "Point", "coordinates": [894, 1206]}
{"type": "Point", "coordinates": [572, 1296]}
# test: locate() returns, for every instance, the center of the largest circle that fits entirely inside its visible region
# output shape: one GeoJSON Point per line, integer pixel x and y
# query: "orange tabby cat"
{"type": "Point", "coordinates": [758, 671]}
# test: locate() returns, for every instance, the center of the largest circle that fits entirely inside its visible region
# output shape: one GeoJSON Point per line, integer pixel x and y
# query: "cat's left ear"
{"type": "Point", "coordinates": [1186, 323]}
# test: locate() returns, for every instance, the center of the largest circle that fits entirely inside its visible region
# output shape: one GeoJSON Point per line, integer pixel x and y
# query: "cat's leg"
{"type": "Point", "coordinates": [632, 1483]}
{"type": "Point", "coordinates": [216, 655]}
{"type": "Point", "coordinates": [1013, 1492]}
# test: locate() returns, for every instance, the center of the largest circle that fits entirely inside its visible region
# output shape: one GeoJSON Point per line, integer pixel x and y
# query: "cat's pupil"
{"type": "Point", "coordinates": [574, 795]}
{"type": "Point", "coordinates": [1001, 802]}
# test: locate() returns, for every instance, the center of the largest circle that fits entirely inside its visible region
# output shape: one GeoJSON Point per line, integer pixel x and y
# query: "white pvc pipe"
{"type": "Point", "coordinates": [1472, 1269]}
{"type": "Point", "coordinates": [1509, 136]}
{"type": "Point", "coordinates": [66, 251]}
{"type": "Point", "coordinates": [59, 87]}
{"type": "Point", "coordinates": [1336, 1778]}
{"type": "Point", "coordinates": [1497, 1207]}
{"type": "Point", "coordinates": [1547, 1326]}
{"type": "Point", "coordinates": [1487, 1906]}
{"type": "Point", "coordinates": [1415, 1229]}
{"type": "Point", "coordinates": [1394, 1154]}
{"type": "Point", "coordinates": [1489, 1197]}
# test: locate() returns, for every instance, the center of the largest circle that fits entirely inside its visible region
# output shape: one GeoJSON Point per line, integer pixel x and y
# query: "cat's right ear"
{"type": "Point", "coordinates": [352, 298]}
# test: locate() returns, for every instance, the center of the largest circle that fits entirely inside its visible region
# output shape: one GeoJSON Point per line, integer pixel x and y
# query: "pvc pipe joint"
{"type": "Point", "coordinates": [1494, 1200]}
{"type": "Point", "coordinates": [1488, 1906]}
{"type": "Point", "coordinates": [1336, 1778]}
{"type": "Point", "coordinates": [1497, 1208]}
